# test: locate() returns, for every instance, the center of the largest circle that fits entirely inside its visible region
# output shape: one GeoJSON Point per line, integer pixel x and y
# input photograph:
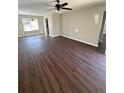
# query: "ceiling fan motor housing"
{"type": "Point", "coordinates": [58, 6]}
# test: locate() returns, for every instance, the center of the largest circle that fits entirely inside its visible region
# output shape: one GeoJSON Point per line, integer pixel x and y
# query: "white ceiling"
{"type": "Point", "coordinates": [40, 7]}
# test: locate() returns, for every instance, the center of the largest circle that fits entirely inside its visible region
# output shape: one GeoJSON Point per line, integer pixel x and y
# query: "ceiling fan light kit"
{"type": "Point", "coordinates": [59, 12]}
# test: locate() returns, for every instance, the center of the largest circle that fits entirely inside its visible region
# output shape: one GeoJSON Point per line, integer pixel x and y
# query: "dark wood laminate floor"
{"type": "Point", "coordinates": [60, 65]}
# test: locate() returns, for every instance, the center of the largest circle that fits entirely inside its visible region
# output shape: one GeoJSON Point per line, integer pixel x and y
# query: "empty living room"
{"type": "Point", "coordinates": [62, 46]}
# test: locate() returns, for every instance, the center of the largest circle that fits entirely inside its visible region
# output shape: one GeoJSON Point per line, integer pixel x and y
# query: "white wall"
{"type": "Point", "coordinates": [21, 31]}
{"type": "Point", "coordinates": [83, 25]}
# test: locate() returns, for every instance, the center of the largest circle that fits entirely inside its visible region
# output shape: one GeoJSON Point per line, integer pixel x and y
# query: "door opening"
{"type": "Point", "coordinates": [47, 26]}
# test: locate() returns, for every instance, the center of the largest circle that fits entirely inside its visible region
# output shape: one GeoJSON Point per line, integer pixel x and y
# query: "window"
{"type": "Point", "coordinates": [30, 24]}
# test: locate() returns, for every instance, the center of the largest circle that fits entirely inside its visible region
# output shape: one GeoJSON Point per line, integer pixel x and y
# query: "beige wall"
{"type": "Point", "coordinates": [49, 16]}
{"type": "Point", "coordinates": [20, 26]}
{"type": "Point", "coordinates": [83, 25]}
{"type": "Point", "coordinates": [55, 25]}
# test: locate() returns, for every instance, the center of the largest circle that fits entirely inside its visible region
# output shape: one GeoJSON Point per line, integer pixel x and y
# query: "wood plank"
{"type": "Point", "coordinates": [60, 65]}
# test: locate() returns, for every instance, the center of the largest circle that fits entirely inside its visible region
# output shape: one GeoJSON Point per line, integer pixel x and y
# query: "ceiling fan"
{"type": "Point", "coordinates": [59, 6]}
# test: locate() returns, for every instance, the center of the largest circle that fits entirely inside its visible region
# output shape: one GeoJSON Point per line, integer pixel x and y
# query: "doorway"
{"type": "Point", "coordinates": [102, 36]}
{"type": "Point", "coordinates": [47, 26]}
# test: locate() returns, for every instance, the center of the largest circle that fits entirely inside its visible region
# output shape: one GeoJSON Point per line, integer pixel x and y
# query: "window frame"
{"type": "Point", "coordinates": [31, 27]}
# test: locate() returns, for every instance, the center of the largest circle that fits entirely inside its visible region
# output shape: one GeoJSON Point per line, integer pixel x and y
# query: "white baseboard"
{"type": "Point", "coordinates": [57, 35]}
{"type": "Point", "coordinates": [81, 41]}
{"type": "Point", "coordinates": [29, 35]}
{"type": "Point", "coordinates": [69, 38]}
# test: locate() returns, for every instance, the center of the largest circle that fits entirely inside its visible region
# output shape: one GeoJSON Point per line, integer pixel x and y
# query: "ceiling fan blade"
{"type": "Point", "coordinates": [66, 8]}
{"type": "Point", "coordinates": [51, 9]}
{"type": "Point", "coordinates": [64, 4]}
